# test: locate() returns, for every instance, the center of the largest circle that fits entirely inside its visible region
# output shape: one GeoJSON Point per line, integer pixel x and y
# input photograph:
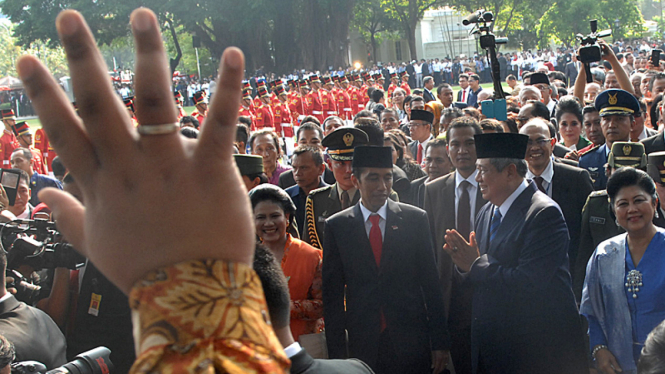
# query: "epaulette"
{"type": "Point", "coordinates": [319, 190]}
{"type": "Point", "coordinates": [598, 193]}
{"type": "Point", "coordinates": [589, 150]}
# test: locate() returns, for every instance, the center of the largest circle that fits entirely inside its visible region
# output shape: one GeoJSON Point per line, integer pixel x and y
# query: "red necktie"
{"type": "Point", "coordinates": [375, 238]}
{"type": "Point", "coordinates": [420, 154]}
{"type": "Point", "coordinates": [464, 96]}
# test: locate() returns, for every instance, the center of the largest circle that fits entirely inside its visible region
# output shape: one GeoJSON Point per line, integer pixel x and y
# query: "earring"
{"type": "Point", "coordinates": [616, 221]}
{"type": "Point", "coordinates": [656, 214]}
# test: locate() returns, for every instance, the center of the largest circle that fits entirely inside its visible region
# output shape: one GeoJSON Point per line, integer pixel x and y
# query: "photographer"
{"type": "Point", "coordinates": [34, 334]}
{"type": "Point", "coordinates": [22, 159]}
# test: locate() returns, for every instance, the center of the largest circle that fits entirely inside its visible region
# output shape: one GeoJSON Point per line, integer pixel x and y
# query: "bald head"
{"type": "Point", "coordinates": [536, 123]}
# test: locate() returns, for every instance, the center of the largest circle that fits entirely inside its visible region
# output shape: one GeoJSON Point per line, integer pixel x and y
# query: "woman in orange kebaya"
{"type": "Point", "coordinates": [301, 263]}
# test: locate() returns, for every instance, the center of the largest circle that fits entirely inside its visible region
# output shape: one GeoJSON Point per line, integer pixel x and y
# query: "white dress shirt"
{"type": "Point", "coordinates": [382, 212]}
{"type": "Point", "coordinates": [505, 206]}
{"type": "Point", "coordinates": [292, 350]}
{"type": "Point", "coordinates": [473, 190]}
{"type": "Point", "coordinates": [547, 175]}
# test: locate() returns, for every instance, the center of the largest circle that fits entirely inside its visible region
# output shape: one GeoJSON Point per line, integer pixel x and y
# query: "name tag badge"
{"type": "Point", "coordinates": [95, 301]}
{"type": "Point", "coordinates": [597, 220]}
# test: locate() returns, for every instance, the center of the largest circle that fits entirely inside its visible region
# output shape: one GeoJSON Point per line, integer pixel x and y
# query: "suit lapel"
{"type": "Point", "coordinates": [393, 231]}
{"type": "Point", "coordinates": [364, 247]}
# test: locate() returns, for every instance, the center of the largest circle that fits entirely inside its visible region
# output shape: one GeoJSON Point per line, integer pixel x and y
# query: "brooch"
{"type": "Point", "coordinates": [634, 282]}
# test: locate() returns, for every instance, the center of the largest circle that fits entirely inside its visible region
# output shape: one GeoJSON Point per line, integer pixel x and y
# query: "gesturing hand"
{"type": "Point", "coordinates": [463, 253]}
{"type": "Point", "coordinates": [150, 200]}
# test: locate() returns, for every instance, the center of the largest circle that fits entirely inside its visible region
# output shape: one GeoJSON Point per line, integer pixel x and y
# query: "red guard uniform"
{"type": "Point", "coordinates": [405, 87]}
{"type": "Point", "coordinates": [355, 100]}
{"type": "Point", "coordinates": [39, 165]}
{"type": "Point", "coordinates": [264, 114]}
{"type": "Point", "coordinates": [315, 105]}
{"type": "Point", "coordinates": [283, 118]}
{"type": "Point", "coordinates": [199, 97]}
{"type": "Point", "coordinates": [42, 143]}
{"type": "Point", "coordinates": [8, 144]}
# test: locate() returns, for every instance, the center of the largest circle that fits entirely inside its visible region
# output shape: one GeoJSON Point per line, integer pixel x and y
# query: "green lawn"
{"type": "Point", "coordinates": [36, 124]}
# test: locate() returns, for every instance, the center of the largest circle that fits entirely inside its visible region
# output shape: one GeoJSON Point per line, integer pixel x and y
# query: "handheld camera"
{"type": "Point", "coordinates": [590, 50]}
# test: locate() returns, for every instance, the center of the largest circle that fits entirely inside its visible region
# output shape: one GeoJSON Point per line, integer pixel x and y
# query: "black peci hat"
{"type": "Point", "coordinates": [501, 145]}
{"type": "Point", "coordinates": [373, 157]}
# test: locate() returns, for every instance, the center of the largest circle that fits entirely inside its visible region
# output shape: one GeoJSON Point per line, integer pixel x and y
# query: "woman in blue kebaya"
{"type": "Point", "coordinates": [623, 297]}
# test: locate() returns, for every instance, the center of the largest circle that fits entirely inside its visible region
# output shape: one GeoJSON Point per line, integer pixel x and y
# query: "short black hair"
{"type": "Point", "coordinates": [415, 99]}
{"type": "Point", "coordinates": [658, 75]}
{"type": "Point", "coordinates": [310, 126]}
{"type": "Point", "coordinates": [190, 119]}
{"type": "Point", "coordinates": [57, 167]}
{"type": "Point", "coordinates": [441, 87]}
{"type": "Point", "coordinates": [491, 124]}
{"type": "Point", "coordinates": [189, 132]}
{"type": "Point", "coordinates": [654, 113]}
{"type": "Point", "coordinates": [317, 155]}
{"type": "Point", "coordinates": [511, 77]}
{"type": "Point", "coordinates": [373, 130]}
{"type": "Point", "coordinates": [626, 177]}
{"type": "Point", "coordinates": [311, 119]}
{"type": "Point", "coordinates": [464, 121]}
{"type": "Point", "coordinates": [589, 109]}
{"type": "Point", "coordinates": [266, 131]}
{"type": "Point", "coordinates": [275, 286]}
{"type": "Point", "coordinates": [539, 109]}
{"type": "Point", "coordinates": [245, 120]}
{"type": "Point", "coordinates": [376, 95]}
{"type": "Point", "coordinates": [475, 77]}
{"type": "Point", "coordinates": [242, 133]}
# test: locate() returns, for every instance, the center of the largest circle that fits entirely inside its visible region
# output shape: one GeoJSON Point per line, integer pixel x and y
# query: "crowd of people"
{"type": "Point", "coordinates": [341, 223]}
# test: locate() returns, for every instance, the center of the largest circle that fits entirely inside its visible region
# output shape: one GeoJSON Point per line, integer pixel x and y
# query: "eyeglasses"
{"type": "Point", "coordinates": [412, 124]}
{"type": "Point", "coordinates": [543, 88]}
{"type": "Point", "coordinates": [539, 142]}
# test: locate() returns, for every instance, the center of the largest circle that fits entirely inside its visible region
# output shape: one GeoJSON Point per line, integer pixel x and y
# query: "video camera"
{"type": "Point", "coordinates": [590, 50]}
{"type": "Point", "coordinates": [94, 361]}
{"type": "Point", "coordinates": [34, 243]}
{"type": "Point", "coordinates": [491, 108]}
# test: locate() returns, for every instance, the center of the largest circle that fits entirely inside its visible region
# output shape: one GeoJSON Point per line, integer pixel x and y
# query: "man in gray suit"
{"type": "Point", "coordinates": [571, 70]}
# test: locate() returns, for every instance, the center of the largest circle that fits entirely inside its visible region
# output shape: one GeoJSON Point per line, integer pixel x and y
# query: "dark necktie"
{"type": "Point", "coordinates": [464, 211]}
{"type": "Point", "coordinates": [375, 238]}
{"type": "Point", "coordinates": [496, 222]}
{"type": "Point", "coordinates": [539, 183]}
{"type": "Point", "coordinates": [345, 200]}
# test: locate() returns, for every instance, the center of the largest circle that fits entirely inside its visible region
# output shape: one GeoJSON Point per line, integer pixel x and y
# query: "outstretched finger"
{"type": "Point", "coordinates": [104, 115]}
{"type": "Point", "coordinates": [68, 214]}
{"type": "Point", "coordinates": [218, 134]}
{"type": "Point", "coordinates": [154, 93]}
{"type": "Point", "coordinates": [63, 127]}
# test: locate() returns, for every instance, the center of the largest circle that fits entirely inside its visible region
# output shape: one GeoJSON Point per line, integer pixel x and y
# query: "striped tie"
{"type": "Point", "coordinates": [496, 222]}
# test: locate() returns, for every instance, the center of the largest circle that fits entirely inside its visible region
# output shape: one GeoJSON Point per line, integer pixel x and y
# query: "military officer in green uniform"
{"type": "Point", "coordinates": [324, 202]}
{"type": "Point", "coordinates": [598, 220]}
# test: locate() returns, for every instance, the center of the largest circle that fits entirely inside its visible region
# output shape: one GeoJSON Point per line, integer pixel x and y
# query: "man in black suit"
{"type": "Point", "coordinates": [379, 255]}
{"type": "Point", "coordinates": [276, 291]}
{"type": "Point", "coordinates": [452, 202]}
{"type": "Point", "coordinates": [308, 134]}
{"type": "Point", "coordinates": [568, 186]}
{"type": "Point", "coordinates": [34, 334]}
{"type": "Point", "coordinates": [525, 319]}
{"type": "Point", "coordinates": [571, 70]}
{"type": "Point", "coordinates": [655, 143]}
{"type": "Point", "coordinates": [428, 85]}
{"type": "Point", "coordinates": [420, 125]}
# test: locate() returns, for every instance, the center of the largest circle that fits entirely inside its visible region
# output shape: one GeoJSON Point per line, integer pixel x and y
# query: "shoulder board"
{"type": "Point", "coordinates": [320, 190]}
{"type": "Point", "coordinates": [598, 193]}
{"type": "Point", "coordinates": [593, 149]}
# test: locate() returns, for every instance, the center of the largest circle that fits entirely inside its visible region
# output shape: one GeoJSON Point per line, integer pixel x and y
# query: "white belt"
{"type": "Point", "coordinates": [5, 162]}
{"type": "Point", "coordinates": [361, 105]}
{"type": "Point", "coordinates": [45, 154]}
{"type": "Point", "coordinates": [301, 117]}
{"type": "Point", "coordinates": [316, 112]}
{"type": "Point", "coordinates": [347, 109]}
{"type": "Point", "coordinates": [331, 112]}
{"type": "Point", "coordinates": [286, 125]}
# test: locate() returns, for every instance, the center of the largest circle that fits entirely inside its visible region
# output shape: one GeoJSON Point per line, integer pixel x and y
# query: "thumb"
{"type": "Point", "coordinates": [472, 239]}
{"type": "Point", "coordinates": [68, 214]}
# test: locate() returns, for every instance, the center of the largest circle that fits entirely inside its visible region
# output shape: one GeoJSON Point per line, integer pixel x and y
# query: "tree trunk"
{"type": "Point", "coordinates": [173, 62]}
{"type": "Point", "coordinates": [373, 41]}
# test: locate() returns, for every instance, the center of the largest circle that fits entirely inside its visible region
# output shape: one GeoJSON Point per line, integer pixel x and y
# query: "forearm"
{"type": "Point", "coordinates": [580, 84]}
{"type": "Point", "coordinates": [203, 314]}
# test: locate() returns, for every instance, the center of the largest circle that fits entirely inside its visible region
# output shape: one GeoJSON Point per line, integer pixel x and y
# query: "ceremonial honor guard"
{"type": "Point", "coordinates": [394, 83]}
{"type": "Point", "coordinates": [354, 95]}
{"type": "Point", "coordinates": [245, 108]}
{"type": "Point", "coordinates": [201, 103]}
{"type": "Point", "coordinates": [178, 103]}
{"type": "Point", "coordinates": [283, 120]}
{"type": "Point", "coordinates": [247, 87]}
{"type": "Point", "coordinates": [344, 100]}
{"type": "Point", "coordinates": [42, 143]}
{"type": "Point", "coordinates": [314, 98]}
{"type": "Point", "coordinates": [327, 98]}
{"type": "Point", "coordinates": [273, 87]}
{"type": "Point", "coordinates": [264, 115]}
{"type": "Point", "coordinates": [24, 138]}
{"type": "Point", "coordinates": [405, 82]}
{"type": "Point", "coordinates": [364, 86]}
{"type": "Point", "coordinates": [358, 82]}
{"type": "Point", "coordinates": [129, 104]}
{"type": "Point", "coordinates": [8, 141]}
{"type": "Point", "coordinates": [380, 80]}
{"type": "Point", "coordinates": [259, 85]}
